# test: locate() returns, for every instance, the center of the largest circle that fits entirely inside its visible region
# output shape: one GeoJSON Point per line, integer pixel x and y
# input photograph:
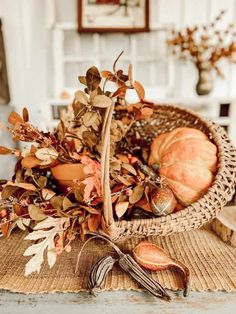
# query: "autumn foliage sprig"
{"type": "Point", "coordinates": [33, 200]}
{"type": "Point", "coordinates": [205, 43]}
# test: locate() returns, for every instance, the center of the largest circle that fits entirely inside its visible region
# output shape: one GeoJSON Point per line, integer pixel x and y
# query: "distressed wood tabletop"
{"type": "Point", "coordinates": [116, 302]}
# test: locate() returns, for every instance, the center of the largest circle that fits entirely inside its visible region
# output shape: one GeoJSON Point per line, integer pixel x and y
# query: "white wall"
{"type": "Point", "coordinates": [28, 44]}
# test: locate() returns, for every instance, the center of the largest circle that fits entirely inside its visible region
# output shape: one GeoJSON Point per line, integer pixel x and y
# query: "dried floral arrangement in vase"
{"type": "Point", "coordinates": [205, 46]}
{"type": "Point", "coordinates": [99, 158]}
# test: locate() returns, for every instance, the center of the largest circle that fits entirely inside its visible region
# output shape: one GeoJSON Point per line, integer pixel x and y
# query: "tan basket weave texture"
{"type": "Point", "coordinates": [167, 118]}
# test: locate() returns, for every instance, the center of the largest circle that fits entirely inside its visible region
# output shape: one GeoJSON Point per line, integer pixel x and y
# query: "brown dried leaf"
{"type": "Point", "coordinates": [5, 228]}
{"type": "Point", "coordinates": [93, 78]}
{"type": "Point", "coordinates": [123, 180]}
{"type": "Point", "coordinates": [5, 150]}
{"type": "Point", "coordinates": [91, 210]}
{"type": "Point", "coordinates": [107, 75]}
{"type": "Point", "coordinates": [26, 186]}
{"type": "Point", "coordinates": [14, 118]}
{"type": "Point", "coordinates": [56, 202]}
{"type": "Point", "coordinates": [101, 101]}
{"type": "Point", "coordinates": [36, 213]}
{"type": "Point", "coordinates": [82, 80]}
{"type": "Point", "coordinates": [92, 119]}
{"type": "Point", "coordinates": [139, 90]}
{"type": "Point", "coordinates": [41, 181]}
{"type": "Point", "coordinates": [90, 138]}
{"type": "Point", "coordinates": [66, 203]}
{"type": "Point", "coordinates": [137, 194]}
{"type": "Point", "coordinates": [81, 97]}
{"type": "Point", "coordinates": [8, 191]}
{"type": "Point", "coordinates": [25, 115]}
{"type": "Point", "coordinates": [94, 222]}
{"type": "Point", "coordinates": [129, 168]}
{"type": "Point", "coordinates": [47, 194]}
{"type": "Point", "coordinates": [121, 91]}
{"type": "Point", "coordinates": [121, 208]}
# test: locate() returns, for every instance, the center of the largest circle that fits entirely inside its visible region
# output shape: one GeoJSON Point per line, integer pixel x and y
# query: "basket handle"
{"type": "Point", "coordinates": [105, 166]}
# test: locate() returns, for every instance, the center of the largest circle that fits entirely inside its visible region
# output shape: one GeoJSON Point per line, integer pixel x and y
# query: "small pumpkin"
{"type": "Point", "coordinates": [187, 161]}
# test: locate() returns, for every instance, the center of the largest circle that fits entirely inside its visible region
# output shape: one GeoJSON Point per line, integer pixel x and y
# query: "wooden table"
{"type": "Point", "coordinates": [119, 302]}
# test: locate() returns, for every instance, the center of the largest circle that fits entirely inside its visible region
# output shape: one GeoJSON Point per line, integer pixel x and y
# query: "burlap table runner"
{"type": "Point", "coordinates": [211, 261]}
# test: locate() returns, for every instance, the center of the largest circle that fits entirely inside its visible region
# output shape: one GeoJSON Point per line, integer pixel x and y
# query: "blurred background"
{"type": "Point", "coordinates": [42, 53]}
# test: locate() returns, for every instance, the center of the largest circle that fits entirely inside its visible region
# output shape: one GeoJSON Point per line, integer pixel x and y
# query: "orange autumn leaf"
{"type": "Point", "coordinates": [5, 150]}
{"type": "Point", "coordinates": [139, 90]}
{"type": "Point", "coordinates": [30, 162]}
{"type": "Point", "coordinates": [14, 118]}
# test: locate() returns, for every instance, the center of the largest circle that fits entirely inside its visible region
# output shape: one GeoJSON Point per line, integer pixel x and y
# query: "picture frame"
{"type": "Point", "coordinates": [106, 16]}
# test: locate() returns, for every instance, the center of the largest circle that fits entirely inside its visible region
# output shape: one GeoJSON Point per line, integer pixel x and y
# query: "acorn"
{"type": "Point", "coordinates": [163, 201]}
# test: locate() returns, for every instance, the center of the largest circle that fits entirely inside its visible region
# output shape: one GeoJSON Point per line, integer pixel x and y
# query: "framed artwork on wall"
{"type": "Point", "coordinates": [113, 16]}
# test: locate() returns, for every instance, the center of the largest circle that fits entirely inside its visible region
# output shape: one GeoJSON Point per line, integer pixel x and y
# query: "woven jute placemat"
{"type": "Point", "coordinates": [212, 264]}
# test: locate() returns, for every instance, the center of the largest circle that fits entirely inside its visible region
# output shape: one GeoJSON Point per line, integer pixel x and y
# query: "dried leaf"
{"type": "Point", "coordinates": [91, 210]}
{"type": "Point", "coordinates": [93, 78]}
{"type": "Point", "coordinates": [81, 97]}
{"type": "Point", "coordinates": [40, 181]}
{"type": "Point", "coordinates": [82, 80]}
{"type": "Point", "coordinates": [14, 118]}
{"type": "Point", "coordinates": [25, 114]}
{"type": "Point", "coordinates": [66, 203]}
{"type": "Point", "coordinates": [94, 222]}
{"type": "Point", "coordinates": [36, 213]}
{"type": "Point", "coordinates": [46, 154]}
{"type": "Point", "coordinates": [137, 194]}
{"type": "Point", "coordinates": [8, 191]}
{"type": "Point", "coordinates": [121, 208]}
{"type": "Point", "coordinates": [26, 186]}
{"type": "Point", "coordinates": [38, 249]}
{"type": "Point", "coordinates": [92, 119]}
{"type": "Point", "coordinates": [90, 138]}
{"type": "Point", "coordinates": [101, 101]}
{"type": "Point", "coordinates": [107, 75]}
{"type": "Point", "coordinates": [123, 180]}
{"type": "Point", "coordinates": [139, 90]}
{"type": "Point", "coordinates": [23, 223]}
{"type": "Point", "coordinates": [56, 202]}
{"type": "Point", "coordinates": [129, 168]}
{"type": "Point", "coordinates": [5, 150]}
{"type": "Point", "coordinates": [30, 162]}
{"type": "Point", "coordinates": [47, 194]}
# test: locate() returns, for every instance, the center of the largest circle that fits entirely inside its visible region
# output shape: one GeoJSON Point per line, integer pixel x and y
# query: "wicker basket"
{"type": "Point", "coordinates": [167, 118]}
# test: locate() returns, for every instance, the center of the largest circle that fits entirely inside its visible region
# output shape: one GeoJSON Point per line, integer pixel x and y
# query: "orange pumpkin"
{"type": "Point", "coordinates": [187, 161]}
